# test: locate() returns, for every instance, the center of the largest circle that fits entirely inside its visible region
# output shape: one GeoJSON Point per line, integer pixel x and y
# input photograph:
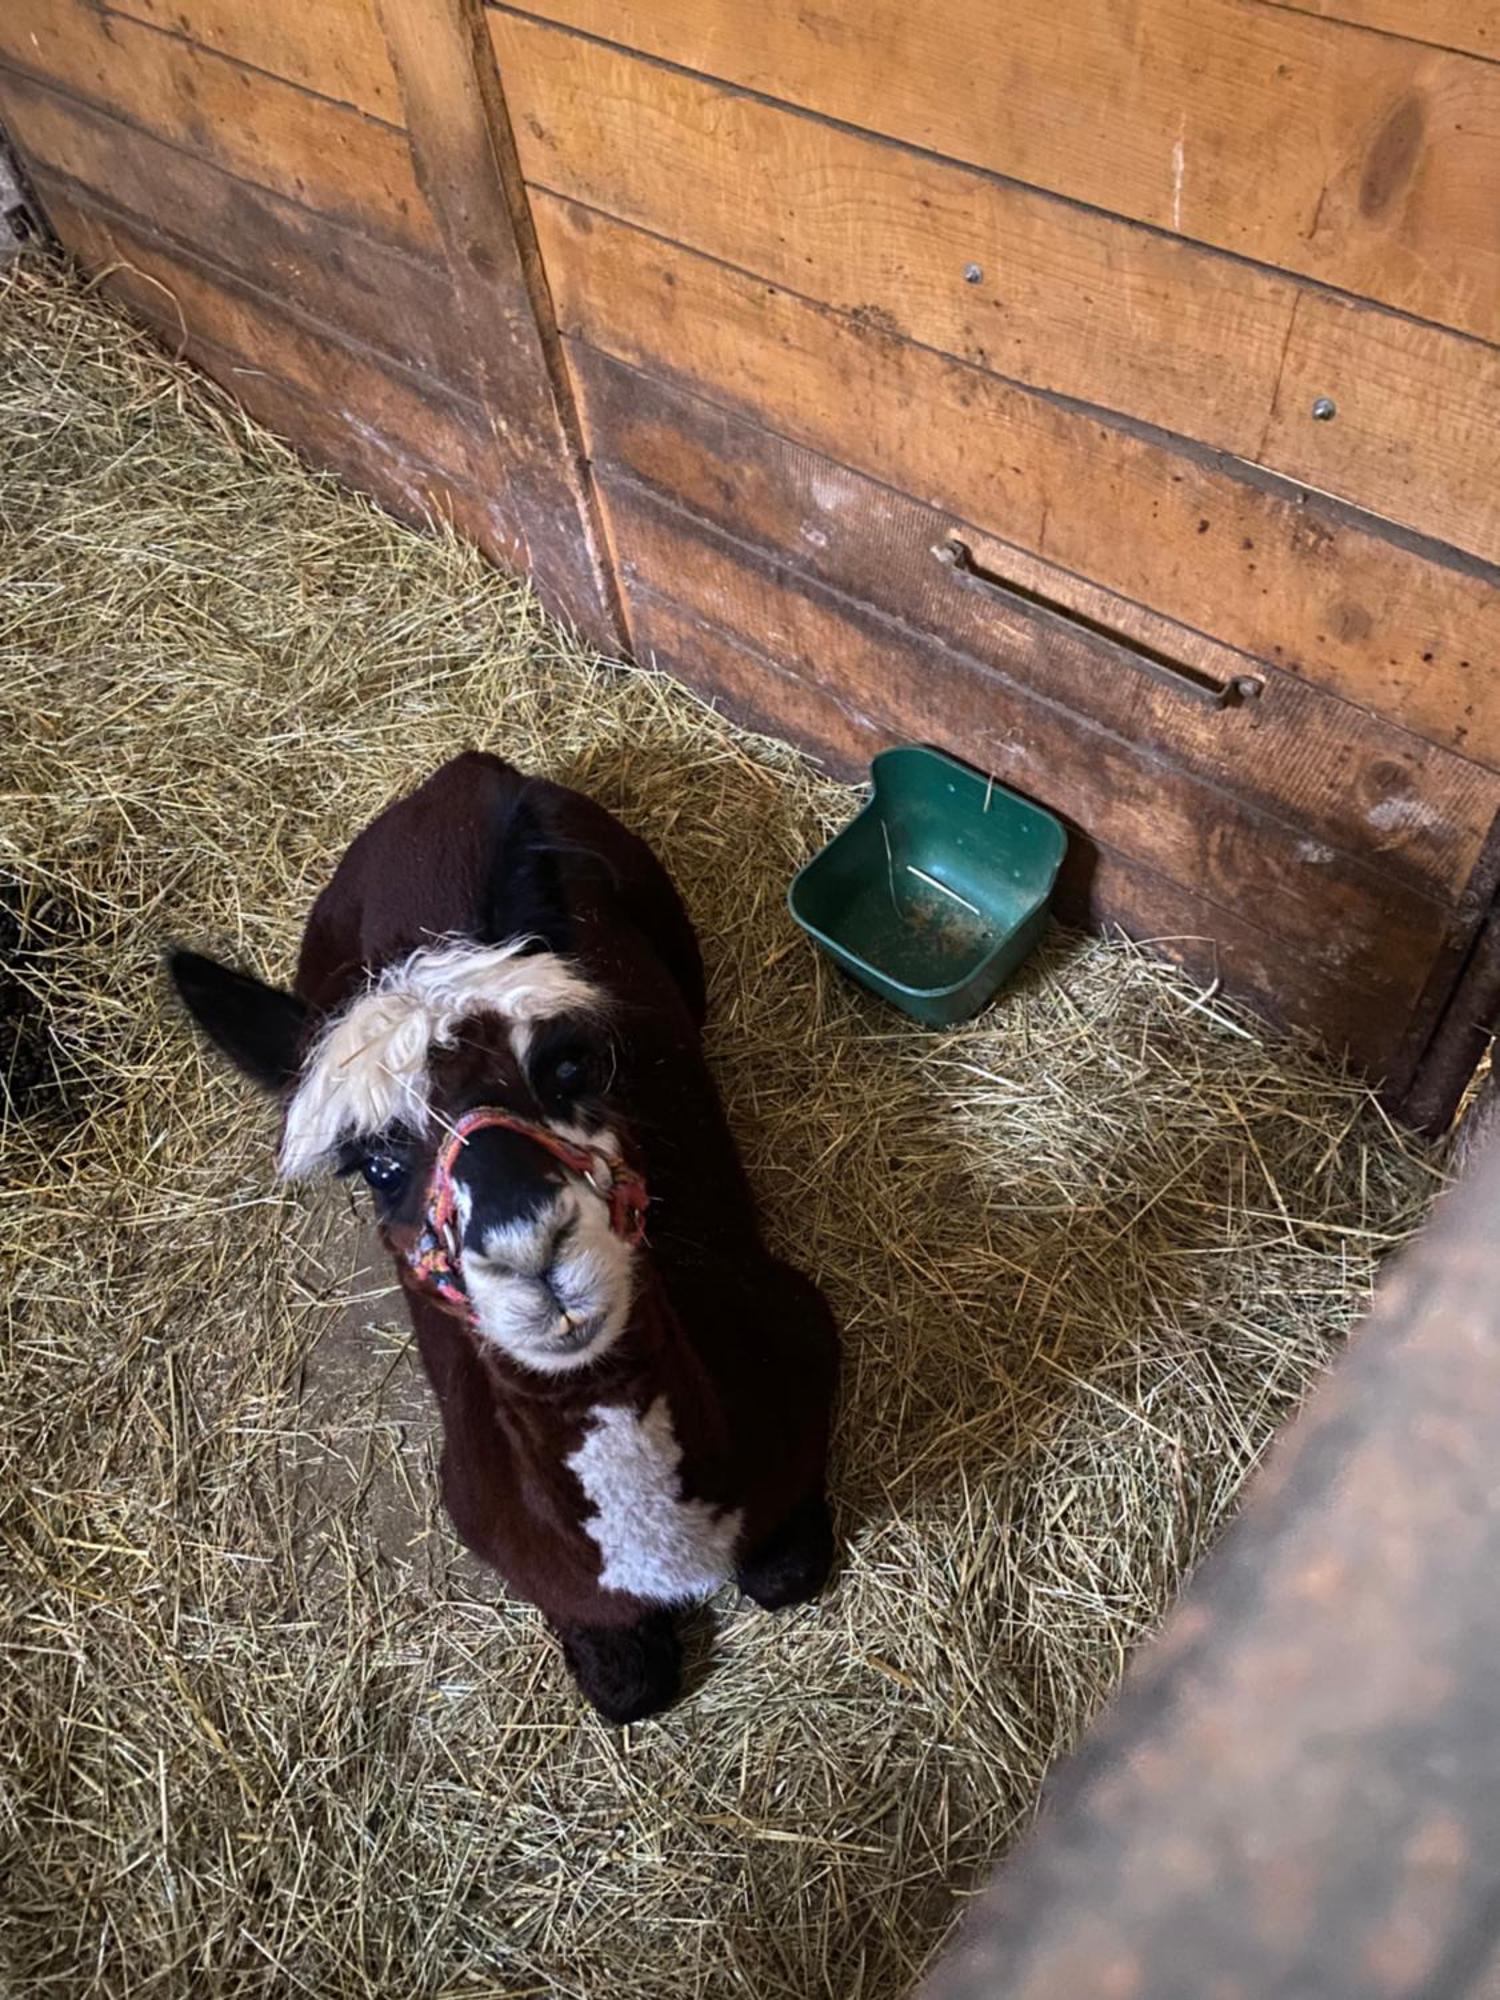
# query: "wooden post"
{"type": "Point", "coordinates": [467, 169]}
{"type": "Point", "coordinates": [1460, 1039]}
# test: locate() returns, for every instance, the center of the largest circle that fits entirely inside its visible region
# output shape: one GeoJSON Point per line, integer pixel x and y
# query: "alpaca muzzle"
{"type": "Point", "coordinates": [433, 1266]}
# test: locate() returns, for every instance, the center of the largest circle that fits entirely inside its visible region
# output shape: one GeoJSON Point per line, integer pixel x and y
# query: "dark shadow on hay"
{"type": "Point", "coordinates": [32, 927]}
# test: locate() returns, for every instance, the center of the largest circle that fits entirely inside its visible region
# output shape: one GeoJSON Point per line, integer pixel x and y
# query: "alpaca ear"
{"type": "Point", "coordinates": [524, 894]}
{"type": "Point", "coordinates": [258, 1027]}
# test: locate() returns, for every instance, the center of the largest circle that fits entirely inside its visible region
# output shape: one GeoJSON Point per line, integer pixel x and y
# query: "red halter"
{"type": "Point", "coordinates": [433, 1266]}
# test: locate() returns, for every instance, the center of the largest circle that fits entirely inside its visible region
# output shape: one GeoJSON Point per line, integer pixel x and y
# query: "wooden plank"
{"type": "Point", "coordinates": [383, 297]}
{"type": "Point", "coordinates": [1346, 779]}
{"type": "Point", "coordinates": [1069, 301]}
{"type": "Point", "coordinates": [1125, 794]}
{"type": "Point", "coordinates": [1017, 282]}
{"type": "Point", "coordinates": [331, 46]}
{"type": "Point", "coordinates": [1473, 25]}
{"type": "Point", "coordinates": [465, 159]}
{"type": "Point", "coordinates": [1478, 1130]}
{"type": "Point", "coordinates": [194, 305]}
{"type": "Point", "coordinates": [371, 434]}
{"type": "Point", "coordinates": [1098, 888]}
{"type": "Point", "coordinates": [1360, 160]}
{"type": "Point", "coordinates": [1266, 568]}
{"type": "Point", "coordinates": [269, 132]}
{"type": "Point", "coordinates": [1338, 916]}
{"type": "Point", "coordinates": [1417, 430]}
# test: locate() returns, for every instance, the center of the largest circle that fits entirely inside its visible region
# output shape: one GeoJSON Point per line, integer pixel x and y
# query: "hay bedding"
{"type": "Point", "coordinates": [263, 1730]}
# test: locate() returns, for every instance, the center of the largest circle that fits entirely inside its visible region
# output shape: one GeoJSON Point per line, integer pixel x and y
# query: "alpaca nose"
{"type": "Point", "coordinates": [507, 1187]}
{"type": "Point", "coordinates": [530, 1248]}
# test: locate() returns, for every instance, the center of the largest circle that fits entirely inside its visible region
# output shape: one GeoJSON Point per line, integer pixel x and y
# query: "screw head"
{"type": "Point", "coordinates": [972, 274]}
{"type": "Point", "coordinates": [1324, 410]}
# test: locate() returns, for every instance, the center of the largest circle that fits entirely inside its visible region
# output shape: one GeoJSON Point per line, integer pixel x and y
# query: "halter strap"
{"type": "Point", "coordinates": [433, 1265]}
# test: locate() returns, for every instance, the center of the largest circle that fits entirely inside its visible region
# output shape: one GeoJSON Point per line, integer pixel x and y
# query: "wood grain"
{"type": "Point", "coordinates": [1417, 431]}
{"type": "Point", "coordinates": [1473, 25]}
{"type": "Point", "coordinates": [269, 132]}
{"type": "Point", "coordinates": [1342, 917]}
{"type": "Point", "coordinates": [382, 296]}
{"type": "Point", "coordinates": [1070, 301]}
{"type": "Point", "coordinates": [1098, 888]}
{"type": "Point", "coordinates": [1361, 160]}
{"type": "Point", "coordinates": [466, 165]}
{"type": "Point", "coordinates": [1269, 569]}
{"type": "Point", "coordinates": [194, 304]}
{"type": "Point", "coordinates": [378, 433]}
{"type": "Point", "coordinates": [1335, 776]}
{"type": "Point", "coordinates": [1019, 283]}
{"type": "Point", "coordinates": [331, 46]}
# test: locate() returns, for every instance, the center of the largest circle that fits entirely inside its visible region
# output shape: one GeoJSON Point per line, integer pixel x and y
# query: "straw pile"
{"type": "Point", "coordinates": [263, 1731]}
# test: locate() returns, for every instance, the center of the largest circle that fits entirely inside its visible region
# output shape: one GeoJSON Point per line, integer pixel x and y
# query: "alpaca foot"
{"type": "Point", "coordinates": [793, 1564]}
{"type": "Point", "coordinates": [627, 1671]}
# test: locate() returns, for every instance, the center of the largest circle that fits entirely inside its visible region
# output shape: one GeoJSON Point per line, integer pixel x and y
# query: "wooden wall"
{"type": "Point", "coordinates": [1178, 319]}
{"type": "Point", "coordinates": [839, 283]}
{"type": "Point", "coordinates": [248, 176]}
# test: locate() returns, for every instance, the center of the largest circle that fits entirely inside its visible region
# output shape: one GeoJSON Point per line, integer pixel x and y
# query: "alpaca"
{"type": "Point", "coordinates": [496, 1022]}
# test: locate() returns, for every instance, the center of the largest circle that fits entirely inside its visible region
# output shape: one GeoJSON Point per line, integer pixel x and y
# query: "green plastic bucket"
{"type": "Point", "coordinates": [937, 891]}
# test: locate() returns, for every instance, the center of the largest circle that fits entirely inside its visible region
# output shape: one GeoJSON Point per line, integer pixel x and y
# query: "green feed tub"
{"type": "Point", "coordinates": [938, 890]}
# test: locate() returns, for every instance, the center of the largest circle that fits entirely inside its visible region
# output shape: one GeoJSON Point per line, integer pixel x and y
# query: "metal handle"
{"type": "Point", "coordinates": [956, 555]}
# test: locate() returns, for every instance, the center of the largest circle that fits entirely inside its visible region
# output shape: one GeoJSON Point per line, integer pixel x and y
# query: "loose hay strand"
{"type": "Point", "coordinates": [263, 1730]}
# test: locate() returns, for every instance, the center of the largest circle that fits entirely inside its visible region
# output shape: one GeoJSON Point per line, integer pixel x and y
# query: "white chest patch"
{"type": "Point", "coordinates": [654, 1543]}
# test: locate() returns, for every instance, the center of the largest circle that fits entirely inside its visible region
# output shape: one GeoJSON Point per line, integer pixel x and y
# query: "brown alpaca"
{"type": "Point", "coordinates": [496, 1021]}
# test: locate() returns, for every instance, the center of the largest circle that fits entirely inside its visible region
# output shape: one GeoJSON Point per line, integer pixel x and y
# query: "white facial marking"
{"type": "Point", "coordinates": [654, 1543]}
{"type": "Point", "coordinates": [370, 1067]}
{"type": "Point", "coordinates": [553, 1290]}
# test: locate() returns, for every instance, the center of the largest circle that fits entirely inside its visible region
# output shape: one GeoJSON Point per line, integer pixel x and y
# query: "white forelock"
{"type": "Point", "coordinates": [369, 1066]}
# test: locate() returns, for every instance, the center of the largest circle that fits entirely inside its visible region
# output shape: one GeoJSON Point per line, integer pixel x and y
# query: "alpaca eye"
{"type": "Point", "coordinates": [384, 1172]}
{"type": "Point", "coordinates": [568, 1073]}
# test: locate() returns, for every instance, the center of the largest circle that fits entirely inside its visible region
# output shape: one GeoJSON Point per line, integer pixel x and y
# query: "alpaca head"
{"type": "Point", "coordinates": [377, 1088]}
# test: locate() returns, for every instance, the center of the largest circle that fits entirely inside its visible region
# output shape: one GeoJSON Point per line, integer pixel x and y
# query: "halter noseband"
{"type": "Point", "coordinates": [432, 1265]}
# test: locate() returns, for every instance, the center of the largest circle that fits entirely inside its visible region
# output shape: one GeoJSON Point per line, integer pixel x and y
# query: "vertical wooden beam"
{"type": "Point", "coordinates": [1460, 1039]}
{"type": "Point", "coordinates": [467, 168]}
{"type": "Point", "coordinates": [1458, 1010]}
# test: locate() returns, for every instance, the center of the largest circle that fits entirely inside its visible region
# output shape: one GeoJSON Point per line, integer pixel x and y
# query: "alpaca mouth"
{"type": "Point", "coordinates": [572, 1332]}
{"type": "Point", "coordinates": [551, 1323]}
{"type": "Point", "coordinates": [575, 1319]}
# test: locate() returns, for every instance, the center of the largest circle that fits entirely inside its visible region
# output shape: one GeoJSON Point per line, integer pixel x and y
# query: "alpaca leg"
{"type": "Point", "coordinates": [791, 1565]}
{"type": "Point", "coordinates": [627, 1671]}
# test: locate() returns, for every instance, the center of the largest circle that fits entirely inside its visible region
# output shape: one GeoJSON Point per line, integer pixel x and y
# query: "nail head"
{"type": "Point", "coordinates": [972, 274]}
{"type": "Point", "coordinates": [1324, 409]}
